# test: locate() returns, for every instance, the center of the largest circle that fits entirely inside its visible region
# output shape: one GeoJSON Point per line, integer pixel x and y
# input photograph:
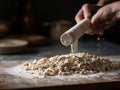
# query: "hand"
{"type": "Point", "coordinates": [105, 18]}
{"type": "Point", "coordinates": [104, 2]}
{"type": "Point", "coordinates": [101, 17]}
{"type": "Point", "coordinates": [87, 11]}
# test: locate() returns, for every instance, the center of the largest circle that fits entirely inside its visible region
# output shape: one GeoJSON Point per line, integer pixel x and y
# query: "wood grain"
{"type": "Point", "coordinates": [14, 81]}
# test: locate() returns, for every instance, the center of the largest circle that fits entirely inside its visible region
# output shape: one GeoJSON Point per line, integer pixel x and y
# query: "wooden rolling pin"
{"type": "Point", "coordinates": [75, 32]}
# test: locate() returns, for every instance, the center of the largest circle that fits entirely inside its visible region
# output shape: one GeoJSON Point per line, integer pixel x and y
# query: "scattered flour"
{"type": "Point", "coordinates": [79, 63]}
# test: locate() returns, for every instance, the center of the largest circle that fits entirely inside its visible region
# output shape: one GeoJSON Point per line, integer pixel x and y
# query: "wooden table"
{"type": "Point", "coordinates": [14, 81]}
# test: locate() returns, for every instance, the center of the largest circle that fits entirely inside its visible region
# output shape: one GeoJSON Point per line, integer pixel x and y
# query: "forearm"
{"type": "Point", "coordinates": [104, 2]}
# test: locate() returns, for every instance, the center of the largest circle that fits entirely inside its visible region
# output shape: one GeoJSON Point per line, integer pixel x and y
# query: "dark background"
{"type": "Point", "coordinates": [47, 11]}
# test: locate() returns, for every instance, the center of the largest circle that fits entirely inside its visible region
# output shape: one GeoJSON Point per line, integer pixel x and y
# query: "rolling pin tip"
{"type": "Point", "coordinates": [66, 39]}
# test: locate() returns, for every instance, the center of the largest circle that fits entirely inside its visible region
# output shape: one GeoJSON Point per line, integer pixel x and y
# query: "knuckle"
{"type": "Point", "coordinates": [76, 17]}
{"type": "Point", "coordinates": [86, 5]}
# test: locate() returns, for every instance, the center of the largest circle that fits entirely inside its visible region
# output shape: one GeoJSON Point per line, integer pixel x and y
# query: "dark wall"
{"type": "Point", "coordinates": [6, 9]}
{"type": "Point", "coordinates": [46, 9]}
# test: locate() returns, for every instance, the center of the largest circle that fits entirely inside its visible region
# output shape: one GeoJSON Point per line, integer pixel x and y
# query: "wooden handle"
{"type": "Point", "coordinates": [75, 32]}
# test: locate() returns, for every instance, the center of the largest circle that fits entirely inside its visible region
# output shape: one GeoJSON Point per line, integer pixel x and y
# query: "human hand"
{"type": "Point", "coordinates": [104, 18]}
{"type": "Point", "coordinates": [101, 17]}
{"type": "Point", "coordinates": [86, 12]}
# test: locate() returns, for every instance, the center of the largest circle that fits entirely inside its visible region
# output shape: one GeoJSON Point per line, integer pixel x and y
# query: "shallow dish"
{"type": "Point", "coordinates": [9, 46]}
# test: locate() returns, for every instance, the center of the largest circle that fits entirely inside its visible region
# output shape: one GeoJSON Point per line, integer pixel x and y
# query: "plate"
{"type": "Point", "coordinates": [33, 40]}
{"type": "Point", "coordinates": [10, 46]}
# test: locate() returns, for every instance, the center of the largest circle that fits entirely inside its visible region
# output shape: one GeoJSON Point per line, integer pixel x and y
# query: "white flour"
{"type": "Point", "coordinates": [12, 73]}
{"type": "Point", "coordinates": [20, 72]}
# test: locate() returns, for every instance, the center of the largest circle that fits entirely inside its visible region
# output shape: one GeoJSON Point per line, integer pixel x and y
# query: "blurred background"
{"type": "Point", "coordinates": [42, 21]}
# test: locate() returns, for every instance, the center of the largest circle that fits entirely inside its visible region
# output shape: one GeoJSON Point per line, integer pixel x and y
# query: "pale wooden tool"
{"type": "Point", "coordinates": [75, 32]}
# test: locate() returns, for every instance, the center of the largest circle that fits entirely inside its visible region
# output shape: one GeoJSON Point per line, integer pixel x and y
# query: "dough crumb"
{"type": "Point", "coordinates": [79, 63]}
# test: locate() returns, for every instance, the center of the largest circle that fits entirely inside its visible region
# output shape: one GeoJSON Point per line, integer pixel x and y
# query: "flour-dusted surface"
{"type": "Point", "coordinates": [12, 73]}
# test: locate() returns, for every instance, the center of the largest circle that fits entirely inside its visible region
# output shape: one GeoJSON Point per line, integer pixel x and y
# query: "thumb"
{"type": "Point", "coordinates": [87, 12]}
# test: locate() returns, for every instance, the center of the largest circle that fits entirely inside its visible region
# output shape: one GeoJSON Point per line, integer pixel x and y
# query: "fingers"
{"type": "Point", "coordinates": [84, 12]}
{"type": "Point", "coordinates": [102, 20]}
{"type": "Point", "coordinates": [87, 11]}
{"type": "Point", "coordinates": [79, 16]}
